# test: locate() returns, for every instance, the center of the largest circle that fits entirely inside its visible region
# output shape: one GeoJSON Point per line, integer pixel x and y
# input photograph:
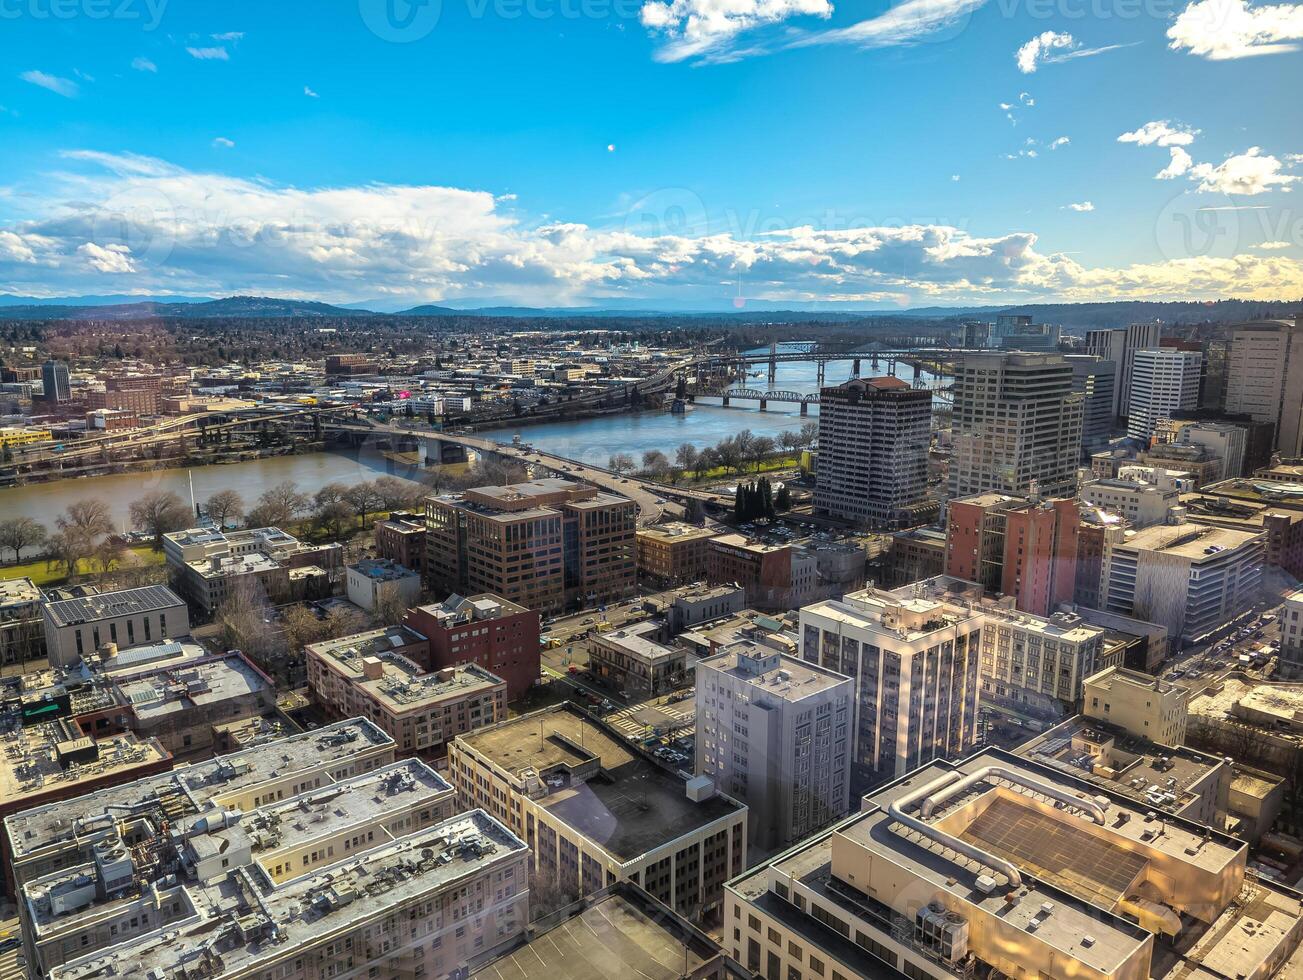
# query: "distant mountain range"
{"type": "Point", "coordinates": [1070, 315]}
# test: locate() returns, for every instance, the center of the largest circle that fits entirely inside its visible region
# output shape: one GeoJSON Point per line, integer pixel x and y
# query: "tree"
{"type": "Point", "coordinates": [109, 553]}
{"type": "Point", "coordinates": [761, 449]}
{"type": "Point", "coordinates": [783, 499]}
{"type": "Point", "coordinates": [707, 460]}
{"type": "Point", "coordinates": [809, 434]}
{"type": "Point", "coordinates": [224, 505]}
{"type": "Point", "coordinates": [18, 533]}
{"type": "Point", "coordinates": [159, 512]}
{"type": "Point", "coordinates": [243, 621]}
{"type": "Point", "coordinates": [730, 455]}
{"type": "Point", "coordinates": [63, 550]}
{"type": "Point", "coordinates": [278, 505]}
{"type": "Point", "coordinates": [620, 464]}
{"type": "Point", "coordinates": [330, 509]}
{"type": "Point", "coordinates": [395, 494]}
{"type": "Point", "coordinates": [789, 440]}
{"type": "Point", "coordinates": [685, 457]}
{"type": "Point", "coordinates": [363, 498]}
{"type": "Point", "coordinates": [655, 464]}
{"type": "Point", "coordinates": [81, 527]}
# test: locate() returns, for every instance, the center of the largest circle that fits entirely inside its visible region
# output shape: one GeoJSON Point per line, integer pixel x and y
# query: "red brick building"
{"type": "Point", "coordinates": [499, 635]}
{"type": "Point", "coordinates": [1022, 547]}
{"type": "Point", "coordinates": [402, 539]}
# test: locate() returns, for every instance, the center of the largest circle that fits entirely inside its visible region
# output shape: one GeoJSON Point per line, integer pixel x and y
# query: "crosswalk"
{"type": "Point", "coordinates": [629, 721]}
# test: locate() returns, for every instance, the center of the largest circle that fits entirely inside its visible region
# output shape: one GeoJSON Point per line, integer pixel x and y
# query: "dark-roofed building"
{"type": "Point", "coordinates": [75, 628]}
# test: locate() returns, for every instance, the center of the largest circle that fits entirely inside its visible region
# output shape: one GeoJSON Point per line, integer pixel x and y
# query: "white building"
{"type": "Point", "coordinates": [76, 628]}
{"type": "Point", "coordinates": [1264, 378]}
{"type": "Point", "coordinates": [1141, 504]}
{"type": "Point", "coordinates": [1291, 635]}
{"type": "Point", "coordinates": [376, 583]}
{"type": "Point", "coordinates": [775, 733]}
{"type": "Point", "coordinates": [1035, 663]}
{"type": "Point", "coordinates": [1120, 345]}
{"type": "Point", "coordinates": [1163, 380]}
{"type": "Point", "coordinates": [915, 662]}
{"type": "Point", "coordinates": [1221, 439]}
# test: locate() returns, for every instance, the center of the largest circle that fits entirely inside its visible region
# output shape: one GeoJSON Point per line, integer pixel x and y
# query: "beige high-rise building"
{"type": "Point", "coordinates": [1164, 380]}
{"type": "Point", "coordinates": [1264, 378]}
{"type": "Point", "coordinates": [544, 545]}
{"type": "Point", "coordinates": [1017, 425]}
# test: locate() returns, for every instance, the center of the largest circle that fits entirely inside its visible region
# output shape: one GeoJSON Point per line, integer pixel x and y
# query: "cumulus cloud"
{"type": "Point", "coordinates": [176, 230]}
{"type": "Point", "coordinates": [144, 64]}
{"type": "Point", "coordinates": [1160, 133]}
{"type": "Point", "coordinates": [1081, 206]}
{"type": "Point", "coordinates": [1179, 164]}
{"type": "Point", "coordinates": [1061, 141]}
{"type": "Point", "coordinates": [210, 54]}
{"type": "Point", "coordinates": [1049, 47]}
{"type": "Point", "coordinates": [54, 83]}
{"type": "Point", "coordinates": [1223, 29]}
{"type": "Point", "coordinates": [1274, 246]}
{"type": "Point", "coordinates": [309, 93]}
{"type": "Point", "coordinates": [223, 142]}
{"type": "Point", "coordinates": [1247, 173]}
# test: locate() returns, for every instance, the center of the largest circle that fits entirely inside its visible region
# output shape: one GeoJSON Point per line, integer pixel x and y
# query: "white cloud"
{"type": "Point", "coordinates": [229, 36]}
{"type": "Point", "coordinates": [59, 86]}
{"type": "Point", "coordinates": [111, 259]}
{"type": "Point", "coordinates": [310, 93]}
{"type": "Point", "coordinates": [223, 142]}
{"type": "Point", "coordinates": [1179, 164]}
{"type": "Point", "coordinates": [217, 234]}
{"type": "Point", "coordinates": [1247, 173]}
{"type": "Point", "coordinates": [1061, 141]}
{"type": "Point", "coordinates": [144, 64]}
{"type": "Point", "coordinates": [210, 54]}
{"type": "Point", "coordinates": [1081, 206]}
{"type": "Point", "coordinates": [954, 177]}
{"type": "Point", "coordinates": [1031, 54]}
{"type": "Point", "coordinates": [1274, 246]}
{"type": "Point", "coordinates": [1160, 133]}
{"type": "Point", "coordinates": [1222, 29]}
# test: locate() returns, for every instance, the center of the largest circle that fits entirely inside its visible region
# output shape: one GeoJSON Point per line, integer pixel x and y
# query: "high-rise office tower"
{"type": "Point", "coordinates": [1017, 422]}
{"type": "Point", "coordinates": [1120, 345]}
{"type": "Point", "coordinates": [1096, 379]}
{"type": "Point", "coordinates": [54, 381]}
{"type": "Point", "coordinates": [1163, 381]}
{"type": "Point", "coordinates": [1264, 378]}
{"type": "Point", "coordinates": [873, 444]}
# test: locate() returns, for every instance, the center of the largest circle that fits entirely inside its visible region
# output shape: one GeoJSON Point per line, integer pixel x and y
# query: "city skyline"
{"type": "Point", "coordinates": [552, 154]}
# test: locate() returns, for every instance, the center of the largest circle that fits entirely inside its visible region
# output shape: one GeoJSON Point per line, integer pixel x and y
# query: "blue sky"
{"type": "Point", "coordinates": [696, 151]}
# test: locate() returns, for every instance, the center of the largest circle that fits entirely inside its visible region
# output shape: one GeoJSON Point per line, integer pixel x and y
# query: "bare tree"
{"type": "Point", "coordinates": [109, 553]}
{"type": "Point", "coordinates": [278, 505]}
{"type": "Point", "coordinates": [363, 498]}
{"type": "Point", "coordinates": [159, 512]}
{"type": "Point", "coordinates": [224, 505]}
{"type": "Point", "coordinates": [244, 620]}
{"type": "Point", "coordinates": [809, 434]}
{"type": "Point", "coordinates": [685, 457]}
{"type": "Point", "coordinates": [330, 509]}
{"type": "Point", "coordinates": [762, 447]}
{"type": "Point", "coordinates": [620, 464]}
{"type": "Point", "coordinates": [790, 440]}
{"type": "Point", "coordinates": [396, 494]}
{"type": "Point", "coordinates": [81, 527]}
{"type": "Point", "coordinates": [730, 455]}
{"type": "Point", "coordinates": [655, 464]}
{"type": "Point", "coordinates": [62, 549]}
{"type": "Point", "coordinates": [18, 533]}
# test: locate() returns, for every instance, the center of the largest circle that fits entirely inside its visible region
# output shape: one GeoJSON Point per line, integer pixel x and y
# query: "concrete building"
{"type": "Point", "coordinates": [401, 539]}
{"type": "Point", "coordinates": [916, 664]}
{"type": "Point", "coordinates": [1282, 525]}
{"type": "Point", "coordinates": [1017, 423]}
{"type": "Point", "coordinates": [917, 553]}
{"type": "Point", "coordinates": [873, 443]}
{"type": "Point", "coordinates": [674, 553]}
{"type": "Point", "coordinates": [1264, 378]}
{"type": "Point", "coordinates": [695, 605]}
{"type": "Point", "coordinates": [1098, 530]}
{"type": "Point", "coordinates": [1095, 379]}
{"type": "Point", "coordinates": [380, 583]}
{"type": "Point", "coordinates": [1035, 666]}
{"type": "Point", "coordinates": [1022, 547]}
{"type": "Point", "coordinates": [775, 733]}
{"type": "Point", "coordinates": [364, 674]}
{"type": "Point", "coordinates": [500, 636]}
{"type": "Point", "coordinates": [1119, 345]}
{"type": "Point", "coordinates": [1163, 380]}
{"type": "Point", "coordinates": [22, 622]}
{"type": "Point", "coordinates": [1190, 578]}
{"type": "Point", "coordinates": [77, 628]}
{"type": "Point", "coordinates": [629, 660]}
{"type": "Point", "coordinates": [292, 888]}
{"type": "Point", "coordinates": [1140, 503]}
{"type": "Point", "coordinates": [998, 865]}
{"type": "Point", "coordinates": [1196, 462]}
{"type": "Point", "coordinates": [56, 387]}
{"type": "Point", "coordinates": [1254, 721]}
{"type": "Point", "coordinates": [1225, 440]}
{"type": "Point", "coordinates": [1139, 704]}
{"type": "Point", "coordinates": [545, 545]}
{"type": "Point", "coordinates": [595, 810]}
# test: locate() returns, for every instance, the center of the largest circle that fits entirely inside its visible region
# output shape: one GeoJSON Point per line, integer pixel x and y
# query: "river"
{"type": "Point", "coordinates": [591, 440]}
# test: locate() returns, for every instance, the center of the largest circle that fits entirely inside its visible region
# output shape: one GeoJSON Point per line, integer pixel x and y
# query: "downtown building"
{"type": "Point", "coordinates": [1164, 381]}
{"type": "Point", "coordinates": [915, 661]}
{"type": "Point", "coordinates": [1119, 345]}
{"type": "Point", "coordinates": [1095, 379]}
{"type": "Point", "coordinates": [546, 545]}
{"type": "Point", "coordinates": [1264, 379]}
{"type": "Point", "coordinates": [873, 444]}
{"type": "Point", "coordinates": [1017, 425]}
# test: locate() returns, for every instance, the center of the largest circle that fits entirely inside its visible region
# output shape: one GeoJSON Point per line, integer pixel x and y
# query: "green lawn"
{"type": "Point", "coordinates": [766, 466]}
{"type": "Point", "coordinates": [43, 576]}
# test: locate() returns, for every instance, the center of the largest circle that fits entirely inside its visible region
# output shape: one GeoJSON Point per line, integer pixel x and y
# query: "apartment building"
{"type": "Point", "coordinates": [402, 539]}
{"type": "Point", "coordinates": [488, 630]}
{"type": "Point", "coordinates": [1024, 547]}
{"type": "Point", "coordinates": [1035, 665]}
{"type": "Point", "coordinates": [1164, 380]}
{"type": "Point", "coordinates": [1001, 865]}
{"type": "Point", "coordinates": [208, 565]}
{"type": "Point", "coordinates": [874, 435]}
{"type": "Point", "coordinates": [773, 576]}
{"type": "Point", "coordinates": [1137, 703]}
{"type": "Point", "coordinates": [22, 623]}
{"type": "Point", "coordinates": [674, 553]}
{"type": "Point", "coordinates": [917, 553]}
{"type": "Point", "coordinates": [379, 583]}
{"type": "Point", "coordinates": [1119, 345]}
{"type": "Point", "coordinates": [1017, 423]}
{"type": "Point", "coordinates": [775, 733]}
{"type": "Point", "coordinates": [77, 628]}
{"type": "Point", "coordinates": [367, 674]}
{"type": "Point", "coordinates": [545, 545]}
{"type": "Point", "coordinates": [915, 661]}
{"type": "Point", "coordinates": [1189, 578]}
{"type": "Point", "coordinates": [594, 810]}
{"type": "Point", "coordinates": [1264, 378]}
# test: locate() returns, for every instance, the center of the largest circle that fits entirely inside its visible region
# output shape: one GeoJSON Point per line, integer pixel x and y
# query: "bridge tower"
{"type": "Point", "coordinates": [855, 368]}
{"type": "Point", "coordinates": [773, 362]}
{"type": "Point", "coordinates": [823, 365]}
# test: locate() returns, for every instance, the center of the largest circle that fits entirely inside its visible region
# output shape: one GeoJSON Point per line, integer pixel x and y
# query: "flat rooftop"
{"type": "Point", "coordinates": [676, 532]}
{"type": "Point", "coordinates": [383, 570]}
{"type": "Point", "coordinates": [112, 605]}
{"type": "Point", "coordinates": [1193, 541]}
{"type": "Point", "coordinates": [620, 931]}
{"type": "Point", "coordinates": [635, 642]}
{"type": "Point", "coordinates": [753, 545]}
{"type": "Point", "coordinates": [629, 805]}
{"type": "Point", "coordinates": [37, 760]}
{"type": "Point", "coordinates": [193, 786]}
{"type": "Point", "coordinates": [18, 592]}
{"type": "Point", "coordinates": [772, 674]}
{"type": "Point", "coordinates": [206, 684]}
